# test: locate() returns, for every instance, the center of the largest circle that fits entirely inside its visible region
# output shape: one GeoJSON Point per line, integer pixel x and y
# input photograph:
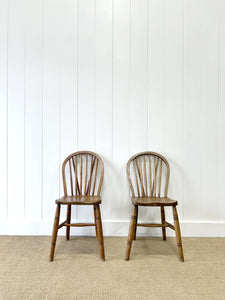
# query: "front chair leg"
{"type": "Point", "coordinates": [96, 231]}
{"type": "Point", "coordinates": [163, 222]}
{"type": "Point", "coordinates": [131, 232]}
{"type": "Point", "coordinates": [54, 232]}
{"type": "Point", "coordinates": [99, 231]}
{"type": "Point", "coordinates": [135, 229]}
{"type": "Point", "coordinates": [68, 222]}
{"type": "Point", "coordinates": [178, 235]}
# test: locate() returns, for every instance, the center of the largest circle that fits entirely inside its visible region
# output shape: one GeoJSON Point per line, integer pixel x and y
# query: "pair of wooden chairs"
{"type": "Point", "coordinates": [148, 174]}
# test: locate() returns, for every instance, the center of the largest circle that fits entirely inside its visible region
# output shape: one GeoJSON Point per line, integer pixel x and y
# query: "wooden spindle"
{"type": "Point", "coordinates": [160, 177]}
{"type": "Point", "coordinates": [85, 181]}
{"type": "Point", "coordinates": [90, 177]}
{"type": "Point", "coordinates": [81, 174]}
{"type": "Point", "coordinates": [96, 168]}
{"type": "Point", "coordinates": [145, 175]}
{"type": "Point", "coordinates": [140, 173]}
{"type": "Point", "coordinates": [156, 162]}
{"type": "Point", "coordinates": [135, 172]}
{"type": "Point", "coordinates": [150, 176]}
{"type": "Point", "coordinates": [71, 178]}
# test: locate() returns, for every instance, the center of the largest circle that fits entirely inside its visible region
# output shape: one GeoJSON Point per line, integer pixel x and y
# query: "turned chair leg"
{"type": "Point", "coordinates": [178, 235]}
{"type": "Point", "coordinates": [96, 231]}
{"type": "Point", "coordinates": [131, 232]}
{"type": "Point", "coordinates": [68, 218]}
{"type": "Point", "coordinates": [163, 222]}
{"type": "Point", "coordinates": [135, 229]}
{"type": "Point", "coordinates": [54, 232]}
{"type": "Point", "coordinates": [99, 232]}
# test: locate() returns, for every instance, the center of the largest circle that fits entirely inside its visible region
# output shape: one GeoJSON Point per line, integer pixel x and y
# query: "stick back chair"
{"type": "Point", "coordinates": [82, 174]}
{"type": "Point", "coordinates": [148, 175]}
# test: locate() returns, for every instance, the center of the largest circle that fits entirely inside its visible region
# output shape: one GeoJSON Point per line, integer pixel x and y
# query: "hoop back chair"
{"type": "Point", "coordinates": [148, 175]}
{"type": "Point", "coordinates": [82, 174]}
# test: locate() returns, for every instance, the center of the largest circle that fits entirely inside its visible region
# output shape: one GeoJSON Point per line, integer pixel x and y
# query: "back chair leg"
{"type": "Point", "coordinates": [178, 235]}
{"type": "Point", "coordinates": [131, 232]}
{"type": "Point", "coordinates": [54, 232]}
{"type": "Point", "coordinates": [96, 231]}
{"type": "Point", "coordinates": [135, 229]}
{"type": "Point", "coordinates": [99, 231]}
{"type": "Point", "coordinates": [68, 221]}
{"type": "Point", "coordinates": [163, 222]}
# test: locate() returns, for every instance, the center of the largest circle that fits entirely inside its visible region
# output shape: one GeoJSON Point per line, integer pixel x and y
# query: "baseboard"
{"type": "Point", "coordinates": [188, 229]}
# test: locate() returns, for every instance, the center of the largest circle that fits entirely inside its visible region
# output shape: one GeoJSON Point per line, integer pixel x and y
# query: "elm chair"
{"type": "Point", "coordinates": [148, 174]}
{"type": "Point", "coordinates": [82, 174]}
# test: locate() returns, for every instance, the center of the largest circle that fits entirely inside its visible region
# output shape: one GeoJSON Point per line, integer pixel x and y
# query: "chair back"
{"type": "Point", "coordinates": [82, 174]}
{"type": "Point", "coordinates": [148, 174]}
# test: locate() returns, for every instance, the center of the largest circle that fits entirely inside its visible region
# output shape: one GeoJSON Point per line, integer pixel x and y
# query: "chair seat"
{"type": "Point", "coordinates": [153, 201]}
{"type": "Point", "coordinates": [79, 200]}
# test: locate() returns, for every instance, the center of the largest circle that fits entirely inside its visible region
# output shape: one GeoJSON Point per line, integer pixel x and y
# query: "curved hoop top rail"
{"type": "Point", "coordinates": [82, 174]}
{"type": "Point", "coordinates": [148, 172]}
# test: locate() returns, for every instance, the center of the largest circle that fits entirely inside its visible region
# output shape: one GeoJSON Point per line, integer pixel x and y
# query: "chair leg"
{"type": "Point", "coordinates": [96, 231]}
{"type": "Point", "coordinates": [135, 229]}
{"type": "Point", "coordinates": [68, 218]}
{"type": "Point", "coordinates": [131, 232]}
{"type": "Point", "coordinates": [100, 234]}
{"type": "Point", "coordinates": [163, 222]}
{"type": "Point", "coordinates": [54, 232]}
{"type": "Point", "coordinates": [178, 235]}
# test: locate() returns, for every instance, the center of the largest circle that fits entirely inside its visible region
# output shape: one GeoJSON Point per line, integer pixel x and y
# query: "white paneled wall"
{"type": "Point", "coordinates": [115, 77]}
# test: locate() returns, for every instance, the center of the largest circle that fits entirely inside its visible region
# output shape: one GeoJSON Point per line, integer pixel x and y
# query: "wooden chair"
{"type": "Point", "coordinates": [148, 174]}
{"type": "Point", "coordinates": [82, 174]}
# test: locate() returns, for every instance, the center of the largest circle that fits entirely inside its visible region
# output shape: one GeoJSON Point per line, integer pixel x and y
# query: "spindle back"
{"type": "Point", "coordinates": [82, 174]}
{"type": "Point", "coordinates": [148, 174]}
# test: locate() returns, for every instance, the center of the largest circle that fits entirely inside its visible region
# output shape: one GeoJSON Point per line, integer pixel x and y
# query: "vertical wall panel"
{"type": "Point", "coordinates": [3, 106]}
{"type": "Point", "coordinates": [156, 105]}
{"type": "Point", "coordinates": [103, 104]}
{"type": "Point", "coordinates": [209, 109]}
{"type": "Point", "coordinates": [121, 108]}
{"type": "Point", "coordinates": [139, 82]}
{"type": "Point", "coordinates": [173, 97]}
{"type": "Point", "coordinates": [156, 82]}
{"type": "Point", "coordinates": [139, 75]}
{"type": "Point", "coordinates": [86, 84]}
{"type": "Point", "coordinates": [16, 85]}
{"type": "Point", "coordinates": [51, 105]}
{"type": "Point", "coordinates": [221, 111]}
{"type": "Point", "coordinates": [33, 111]}
{"type": "Point", "coordinates": [192, 110]}
{"type": "Point", "coordinates": [68, 85]}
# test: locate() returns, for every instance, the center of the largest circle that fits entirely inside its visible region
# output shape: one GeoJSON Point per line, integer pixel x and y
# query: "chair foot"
{"type": "Point", "coordinates": [178, 234]}
{"type": "Point", "coordinates": [54, 233]}
{"type": "Point", "coordinates": [99, 232]}
{"type": "Point", "coordinates": [131, 233]}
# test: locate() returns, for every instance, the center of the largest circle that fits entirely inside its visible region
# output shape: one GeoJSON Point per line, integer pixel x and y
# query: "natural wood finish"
{"type": "Point", "coordinates": [145, 172]}
{"type": "Point", "coordinates": [54, 233]}
{"type": "Point", "coordinates": [68, 221]}
{"type": "Point", "coordinates": [100, 235]}
{"type": "Point", "coordinates": [135, 229]}
{"type": "Point", "coordinates": [79, 200]}
{"type": "Point", "coordinates": [96, 231]}
{"type": "Point", "coordinates": [178, 235]}
{"type": "Point", "coordinates": [153, 201]}
{"type": "Point", "coordinates": [81, 189]}
{"type": "Point", "coordinates": [163, 222]}
{"type": "Point", "coordinates": [131, 232]}
{"type": "Point", "coordinates": [79, 224]}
